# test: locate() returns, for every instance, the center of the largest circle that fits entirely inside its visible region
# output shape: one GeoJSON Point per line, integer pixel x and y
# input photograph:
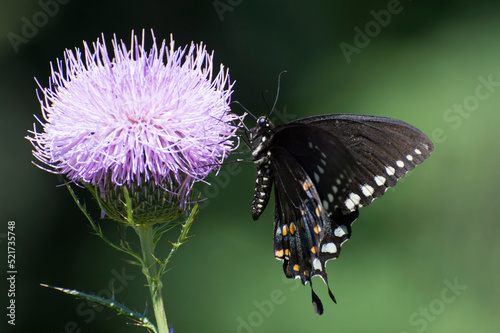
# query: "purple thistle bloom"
{"type": "Point", "coordinates": [160, 116]}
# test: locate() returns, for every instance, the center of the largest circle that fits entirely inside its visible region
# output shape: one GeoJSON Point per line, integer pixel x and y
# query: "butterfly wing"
{"type": "Point", "coordinates": [385, 150]}
{"type": "Point", "coordinates": [324, 168]}
{"type": "Point", "coordinates": [309, 227]}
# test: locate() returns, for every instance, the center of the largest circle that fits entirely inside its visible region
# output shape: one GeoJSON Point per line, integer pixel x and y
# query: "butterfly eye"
{"type": "Point", "coordinates": [262, 121]}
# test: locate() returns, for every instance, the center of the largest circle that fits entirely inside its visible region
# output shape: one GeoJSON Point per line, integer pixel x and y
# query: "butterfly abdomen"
{"type": "Point", "coordinates": [262, 192]}
{"type": "Point", "coordinates": [262, 158]}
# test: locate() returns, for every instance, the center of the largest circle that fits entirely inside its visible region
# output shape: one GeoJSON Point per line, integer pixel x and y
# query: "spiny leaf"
{"type": "Point", "coordinates": [139, 319]}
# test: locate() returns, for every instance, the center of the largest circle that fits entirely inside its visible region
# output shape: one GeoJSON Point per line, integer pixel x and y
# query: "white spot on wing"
{"type": "Point", "coordinates": [400, 164]}
{"type": "Point", "coordinates": [352, 201]}
{"type": "Point", "coordinates": [349, 204]}
{"type": "Point", "coordinates": [409, 157]}
{"type": "Point", "coordinates": [390, 170]}
{"type": "Point", "coordinates": [316, 177]}
{"type": "Point", "coordinates": [355, 198]}
{"type": "Point", "coordinates": [320, 169]}
{"type": "Point", "coordinates": [367, 190]}
{"type": "Point", "coordinates": [379, 180]}
{"type": "Point", "coordinates": [317, 264]}
{"type": "Point", "coordinates": [329, 248]}
{"type": "Point", "coordinates": [330, 197]}
{"type": "Point", "coordinates": [325, 204]}
{"type": "Point", "coordinates": [340, 231]}
{"type": "Point", "coordinates": [417, 151]}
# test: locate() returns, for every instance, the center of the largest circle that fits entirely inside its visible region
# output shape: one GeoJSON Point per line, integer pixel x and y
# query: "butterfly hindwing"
{"type": "Point", "coordinates": [309, 226]}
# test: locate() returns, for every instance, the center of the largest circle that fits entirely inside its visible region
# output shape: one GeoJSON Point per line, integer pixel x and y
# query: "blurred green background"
{"type": "Point", "coordinates": [424, 258]}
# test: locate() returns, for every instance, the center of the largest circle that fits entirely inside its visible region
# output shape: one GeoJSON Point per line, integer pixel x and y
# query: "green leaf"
{"type": "Point", "coordinates": [139, 319]}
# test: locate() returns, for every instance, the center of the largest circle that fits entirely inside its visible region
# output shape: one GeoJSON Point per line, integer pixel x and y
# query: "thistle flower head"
{"type": "Point", "coordinates": [159, 116]}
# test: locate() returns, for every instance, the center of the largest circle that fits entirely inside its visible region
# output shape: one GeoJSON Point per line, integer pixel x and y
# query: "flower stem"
{"type": "Point", "coordinates": [149, 269]}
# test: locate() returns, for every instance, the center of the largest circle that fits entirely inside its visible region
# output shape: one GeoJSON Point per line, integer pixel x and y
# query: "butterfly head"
{"type": "Point", "coordinates": [263, 129]}
{"type": "Point", "coordinates": [263, 122]}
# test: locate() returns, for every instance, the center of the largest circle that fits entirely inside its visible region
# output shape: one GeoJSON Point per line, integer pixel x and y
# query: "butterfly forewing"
{"type": "Point", "coordinates": [385, 150]}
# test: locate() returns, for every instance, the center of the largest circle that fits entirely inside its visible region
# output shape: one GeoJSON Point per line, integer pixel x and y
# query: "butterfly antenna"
{"type": "Point", "coordinates": [244, 108]}
{"type": "Point", "coordinates": [263, 95]}
{"type": "Point", "coordinates": [277, 92]}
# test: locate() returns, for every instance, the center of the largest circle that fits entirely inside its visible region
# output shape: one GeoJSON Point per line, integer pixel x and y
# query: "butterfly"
{"type": "Point", "coordinates": [323, 169]}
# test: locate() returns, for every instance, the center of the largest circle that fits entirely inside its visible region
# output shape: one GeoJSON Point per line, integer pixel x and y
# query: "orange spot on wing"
{"type": "Point", "coordinates": [306, 185]}
{"type": "Point", "coordinates": [285, 230]}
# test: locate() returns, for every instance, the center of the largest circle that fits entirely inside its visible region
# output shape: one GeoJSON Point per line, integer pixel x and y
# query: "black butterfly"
{"type": "Point", "coordinates": [324, 169]}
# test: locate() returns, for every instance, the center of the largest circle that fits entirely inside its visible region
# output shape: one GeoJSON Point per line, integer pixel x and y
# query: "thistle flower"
{"type": "Point", "coordinates": [159, 117]}
{"type": "Point", "coordinates": [138, 130]}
